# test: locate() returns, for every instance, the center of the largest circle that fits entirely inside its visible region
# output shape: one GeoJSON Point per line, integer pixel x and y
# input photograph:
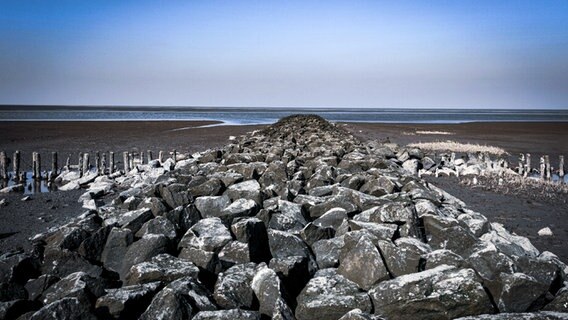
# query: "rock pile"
{"type": "Point", "coordinates": [299, 221]}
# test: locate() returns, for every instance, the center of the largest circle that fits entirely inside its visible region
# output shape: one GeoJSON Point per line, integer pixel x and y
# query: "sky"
{"type": "Point", "coordinates": [458, 54]}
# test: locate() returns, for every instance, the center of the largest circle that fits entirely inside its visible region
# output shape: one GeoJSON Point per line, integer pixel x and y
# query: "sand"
{"type": "Point", "coordinates": [520, 213]}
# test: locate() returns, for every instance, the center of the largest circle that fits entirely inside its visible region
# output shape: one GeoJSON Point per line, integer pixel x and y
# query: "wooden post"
{"type": "Point", "coordinates": [16, 165]}
{"type": "Point", "coordinates": [130, 161]}
{"type": "Point", "coordinates": [542, 167]}
{"type": "Point", "coordinates": [80, 164]}
{"type": "Point", "coordinates": [103, 164]}
{"type": "Point", "coordinates": [126, 160]}
{"type": "Point", "coordinates": [547, 170]}
{"type": "Point", "coordinates": [54, 164]}
{"type": "Point", "coordinates": [36, 166]}
{"type": "Point", "coordinates": [527, 165]}
{"type": "Point", "coordinates": [3, 165]}
{"type": "Point", "coordinates": [452, 157]}
{"type": "Point", "coordinates": [86, 163]}
{"type": "Point", "coordinates": [68, 162]}
{"type": "Point", "coordinates": [175, 156]}
{"type": "Point", "coordinates": [561, 166]}
{"type": "Point", "coordinates": [98, 162]}
{"type": "Point", "coordinates": [111, 162]}
{"type": "Point", "coordinates": [521, 160]}
{"type": "Point", "coordinates": [161, 156]}
{"type": "Point", "coordinates": [142, 157]}
{"type": "Point", "coordinates": [149, 154]}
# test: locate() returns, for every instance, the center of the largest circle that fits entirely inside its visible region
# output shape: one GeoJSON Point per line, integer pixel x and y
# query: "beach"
{"type": "Point", "coordinates": [523, 214]}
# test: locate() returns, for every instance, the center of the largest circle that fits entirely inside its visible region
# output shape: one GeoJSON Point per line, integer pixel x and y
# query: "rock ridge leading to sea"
{"type": "Point", "coordinates": [298, 221]}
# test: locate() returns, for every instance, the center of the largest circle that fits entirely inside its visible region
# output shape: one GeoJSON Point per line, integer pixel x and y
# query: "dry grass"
{"type": "Point", "coordinates": [453, 146]}
{"type": "Point", "coordinates": [441, 133]}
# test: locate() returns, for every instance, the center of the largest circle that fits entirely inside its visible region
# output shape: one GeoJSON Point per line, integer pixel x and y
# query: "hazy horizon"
{"type": "Point", "coordinates": [375, 54]}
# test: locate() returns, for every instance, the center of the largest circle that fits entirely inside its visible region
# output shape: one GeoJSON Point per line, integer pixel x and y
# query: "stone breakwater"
{"type": "Point", "coordinates": [299, 221]}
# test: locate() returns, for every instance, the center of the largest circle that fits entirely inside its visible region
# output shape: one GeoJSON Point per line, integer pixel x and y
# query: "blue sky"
{"type": "Point", "coordinates": [470, 54]}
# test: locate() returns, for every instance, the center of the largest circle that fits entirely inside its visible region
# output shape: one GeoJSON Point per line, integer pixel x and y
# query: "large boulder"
{"type": "Point", "coordinates": [128, 302]}
{"type": "Point", "coordinates": [360, 261]}
{"type": "Point", "coordinates": [181, 299]}
{"type": "Point", "coordinates": [233, 288]}
{"type": "Point", "coordinates": [162, 267]}
{"type": "Point", "coordinates": [440, 293]}
{"type": "Point", "coordinates": [329, 295]}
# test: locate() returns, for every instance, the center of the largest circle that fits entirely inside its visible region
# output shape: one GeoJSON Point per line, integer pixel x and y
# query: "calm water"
{"type": "Point", "coordinates": [239, 116]}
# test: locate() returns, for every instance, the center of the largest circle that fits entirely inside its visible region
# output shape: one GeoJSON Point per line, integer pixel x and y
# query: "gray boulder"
{"type": "Point", "coordinates": [115, 248]}
{"type": "Point", "coordinates": [162, 267]}
{"type": "Point", "coordinates": [360, 261]}
{"type": "Point", "coordinates": [439, 293]}
{"type": "Point", "coordinates": [233, 287]}
{"type": "Point", "coordinates": [249, 189]}
{"type": "Point", "coordinates": [212, 206]}
{"type": "Point", "coordinates": [127, 302]}
{"type": "Point", "coordinates": [227, 315]}
{"type": "Point", "coordinates": [143, 250]}
{"type": "Point", "coordinates": [66, 308]}
{"type": "Point", "coordinates": [181, 299]}
{"type": "Point", "coordinates": [329, 295]}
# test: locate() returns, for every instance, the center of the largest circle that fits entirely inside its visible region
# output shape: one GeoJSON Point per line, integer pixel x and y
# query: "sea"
{"type": "Point", "coordinates": [249, 115]}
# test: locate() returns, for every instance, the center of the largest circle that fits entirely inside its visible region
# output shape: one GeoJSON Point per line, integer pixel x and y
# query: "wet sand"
{"type": "Point", "coordinates": [519, 213]}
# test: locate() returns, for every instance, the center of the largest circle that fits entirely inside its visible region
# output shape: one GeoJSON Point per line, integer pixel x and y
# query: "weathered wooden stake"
{"type": "Point", "coordinates": [36, 166]}
{"type": "Point", "coordinates": [142, 157]}
{"type": "Point", "coordinates": [521, 160]}
{"type": "Point", "coordinates": [161, 156]}
{"type": "Point", "coordinates": [149, 154]}
{"type": "Point", "coordinates": [547, 170]}
{"type": "Point", "coordinates": [111, 162]}
{"type": "Point", "coordinates": [16, 165]}
{"type": "Point", "coordinates": [104, 163]}
{"type": "Point", "coordinates": [126, 160]}
{"type": "Point", "coordinates": [54, 164]}
{"type": "Point", "coordinates": [561, 166]}
{"type": "Point", "coordinates": [527, 165]}
{"type": "Point", "coordinates": [68, 162]}
{"type": "Point", "coordinates": [175, 156]}
{"type": "Point", "coordinates": [80, 165]}
{"type": "Point", "coordinates": [98, 162]}
{"type": "Point", "coordinates": [130, 161]}
{"type": "Point", "coordinates": [3, 165]}
{"type": "Point", "coordinates": [542, 167]}
{"type": "Point", "coordinates": [86, 163]}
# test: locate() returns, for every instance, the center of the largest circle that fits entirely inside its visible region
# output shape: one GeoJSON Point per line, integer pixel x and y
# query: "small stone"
{"type": "Point", "coordinates": [545, 232]}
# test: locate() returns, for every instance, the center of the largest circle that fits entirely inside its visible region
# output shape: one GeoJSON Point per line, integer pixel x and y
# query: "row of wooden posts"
{"type": "Point", "coordinates": [524, 167]}
{"type": "Point", "coordinates": [102, 164]}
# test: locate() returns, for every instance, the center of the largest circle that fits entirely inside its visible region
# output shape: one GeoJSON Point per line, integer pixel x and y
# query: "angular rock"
{"type": "Point", "coordinates": [361, 262]}
{"type": "Point", "coordinates": [439, 293]}
{"type": "Point", "coordinates": [180, 299]}
{"type": "Point", "coordinates": [329, 295]}
{"type": "Point", "coordinates": [66, 308]}
{"type": "Point", "coordinates": [211, 187]}
{"type": "Point", "coordinates": [312, 233]}
{"type": "Point", "coordinates": [327, 252]}
{"type": "Point", "coordinates": [239, 208]}
{"type": "Point", "coordinates": [158, 225]}
{"type": "Point", "coordinates": [175, 195]}
{"type": "Point", "coordinates": [332, 218]}
{"type": "Point", "coordinates": [212, 206]}
{"type": "Point", "coordinates": [143, 250]}
{"type": "Point", "coordinates": [162, 267]}
{"type": "Point", "coordinates": [115, 248]}
{"type": "Point", "coordinates": [249, 189]}
{"type": "Point", "coordinates": [267, 288]}
{"type": "Point", "coordinates": [92, 247]}
{"type": "Point", "coordinates": [128, 302]}
{"type": "Point", "coordinates": [233, 288]}
{"type": "Point", "coordinates": [227, 315]}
